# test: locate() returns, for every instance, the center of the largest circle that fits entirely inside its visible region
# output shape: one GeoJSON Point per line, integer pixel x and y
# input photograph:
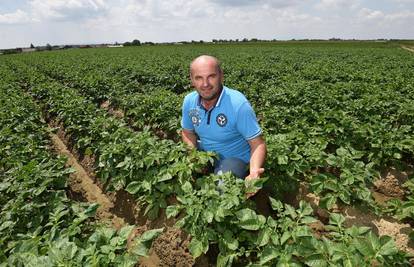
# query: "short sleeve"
{"type": "Point", "coordinates": [247, 123]}
{"type": "Point", "coordinates": [185, 117]}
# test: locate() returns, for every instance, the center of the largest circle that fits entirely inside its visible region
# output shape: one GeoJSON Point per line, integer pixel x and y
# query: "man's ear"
{"type": "Point", "coordinates": [191, 79]}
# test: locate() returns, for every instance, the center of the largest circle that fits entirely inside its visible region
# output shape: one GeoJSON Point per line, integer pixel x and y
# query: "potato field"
{"type": "Point", "coordinates": [93, 171]}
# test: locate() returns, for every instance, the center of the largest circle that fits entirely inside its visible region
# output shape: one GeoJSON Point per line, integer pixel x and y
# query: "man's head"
{"type": "Point", "coordinates": [206, 76]}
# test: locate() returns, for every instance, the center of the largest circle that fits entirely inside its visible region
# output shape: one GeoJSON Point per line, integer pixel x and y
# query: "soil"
{"type": "Point", "coordinates": [390, 182]}
{"type": "Point", "coordinates": [172, 248]}
{"type": "Point", "coordinates": [411, 49]}
{"type": "Point", "coordinates": [81, 184]}
{"type": "Point", "coordinates": [381, 226]}
{"type": "Point", "coordinates": [113, 111]}
{"type": "Point", "coordinates": [353, 216]}
{"type": "Point", "coordinates": [119, 208]}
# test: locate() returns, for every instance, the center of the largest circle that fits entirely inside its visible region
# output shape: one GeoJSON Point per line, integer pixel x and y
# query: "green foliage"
{"type": "Point", "coordinates": [332, 116]}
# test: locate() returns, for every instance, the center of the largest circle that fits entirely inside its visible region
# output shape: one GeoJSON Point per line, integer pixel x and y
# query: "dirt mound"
{"type": "Point", "coordinates": [390, 183]}
{"type": "Point", "coordinates": [172, 248]}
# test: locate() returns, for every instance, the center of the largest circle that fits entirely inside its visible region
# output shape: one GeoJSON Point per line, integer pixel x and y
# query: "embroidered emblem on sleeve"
{"type": "Point", "coordinates": [221, 120]}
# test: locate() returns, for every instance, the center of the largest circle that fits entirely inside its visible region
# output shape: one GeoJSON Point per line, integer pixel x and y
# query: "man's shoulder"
{"type": "Point", "coordinates": [236, 97]}
{"type": "Point", "coordinates": [190, 97]}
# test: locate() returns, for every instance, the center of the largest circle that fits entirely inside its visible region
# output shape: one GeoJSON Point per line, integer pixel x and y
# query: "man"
{"type": "Point", "coordinates": [223, 121]}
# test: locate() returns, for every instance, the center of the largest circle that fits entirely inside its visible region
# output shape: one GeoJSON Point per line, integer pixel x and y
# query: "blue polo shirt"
{"type": "Point", "coordinates": [226, 127]}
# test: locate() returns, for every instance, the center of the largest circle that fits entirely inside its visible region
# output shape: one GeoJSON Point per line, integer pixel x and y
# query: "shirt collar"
{"type": "Point", "coordinates": [218, 101]}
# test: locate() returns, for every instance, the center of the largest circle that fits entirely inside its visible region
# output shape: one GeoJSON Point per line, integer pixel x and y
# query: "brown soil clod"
{"type": "Point", "coordinates": [172, 248]}
{"type": "Point", "coordinates": [390, 183]}
{"type": "Point", "coordinates": [111, 110]}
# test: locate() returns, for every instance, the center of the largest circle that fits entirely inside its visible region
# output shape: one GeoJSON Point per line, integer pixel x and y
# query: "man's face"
{"type": "Point", "coordinates": [207, 79]}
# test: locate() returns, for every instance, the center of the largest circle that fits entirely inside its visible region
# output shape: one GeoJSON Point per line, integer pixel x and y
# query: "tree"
{"type": "Point", "coordinates": [136, 42]}
{"type": "Point", "coordinates": [48, 46]}
{"type": "Point", "coordinates": [32, 46]}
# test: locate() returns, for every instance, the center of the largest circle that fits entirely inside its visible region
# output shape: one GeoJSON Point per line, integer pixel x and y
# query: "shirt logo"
{"type": "Point", "coordinates": [221, 120]}
{"type": "Point", "coordinates": [195, 117]}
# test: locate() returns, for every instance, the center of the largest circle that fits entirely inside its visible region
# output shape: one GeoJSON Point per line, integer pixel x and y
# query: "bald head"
{"type": "Point", "coordinates": [206, 77]}
{"type": "Point", "coordinates": [205, 60]}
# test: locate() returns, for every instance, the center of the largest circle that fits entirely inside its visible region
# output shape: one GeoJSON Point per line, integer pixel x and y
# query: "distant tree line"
{"type": "Point", "coordinates": [135, 42]}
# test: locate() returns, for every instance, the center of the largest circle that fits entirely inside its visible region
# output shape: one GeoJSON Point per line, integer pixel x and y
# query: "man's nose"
{"type": "Point", "coordinates": [206, 83]}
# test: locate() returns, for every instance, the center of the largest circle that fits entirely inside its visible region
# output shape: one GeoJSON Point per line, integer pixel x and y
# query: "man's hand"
{"type": "Point", "coordinates": [254, 174]}
{"type": "Point", "coordinates": [189, 137]}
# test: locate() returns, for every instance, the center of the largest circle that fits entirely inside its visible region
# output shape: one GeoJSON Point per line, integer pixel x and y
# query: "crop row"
{"type": "Point", "coordinates": [334, 121]}
{"type": "Point", "coordinates": [39, 224]}
{"type": "Point", "coordinates": [153, 169]}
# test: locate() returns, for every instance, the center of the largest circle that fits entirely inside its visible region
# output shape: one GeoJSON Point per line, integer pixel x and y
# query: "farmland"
{"type": "Point", "coordinates": [338, 122]}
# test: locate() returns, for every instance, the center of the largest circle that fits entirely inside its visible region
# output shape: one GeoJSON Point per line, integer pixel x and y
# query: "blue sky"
{"type": "Point", "coordinates": [94, 21]}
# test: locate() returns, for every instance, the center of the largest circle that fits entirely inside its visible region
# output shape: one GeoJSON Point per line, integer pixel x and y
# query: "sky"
{"type": "Point", "coordinates": [59, 22]}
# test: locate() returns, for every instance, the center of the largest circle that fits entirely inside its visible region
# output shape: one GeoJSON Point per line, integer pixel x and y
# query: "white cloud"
{"type": "Point", "coordinates": [67, 10]}
{"type": "Point", "coordinates": [405, 16]}
{"type": "Point", "coordinates": [91, 21]}
{"type": "Point", "coordinates": [337, 4]}
{"type": "Point", "coordinates": [17, 17]}
{"type": "Point", "coordinates": [369, 14]}
{"type": "Point", "coordinates": [272, 3]}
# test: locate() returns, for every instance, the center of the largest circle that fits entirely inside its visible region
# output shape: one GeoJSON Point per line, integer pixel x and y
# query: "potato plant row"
{"type": "Point", "coordinates": [39, 224]}
{"type": "Point", "coordinates": [333, 116]}
{"type": "Point", "coordinates": [154, 169]}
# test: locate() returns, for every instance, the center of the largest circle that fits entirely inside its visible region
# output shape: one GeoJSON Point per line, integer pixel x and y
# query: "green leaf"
{"type": "Point", "coordinates": [308, 220]}
{"type": "Point", "coordinates": [133, 187]}
{"type": "Point", "coordinates": [268, 254]}
{"type": "Point", "coordinates": [328, 201]}
{"type": "Point", "coordinates": [286, 235]}
{"type": "Point", "coordinates": [172, 211]}
{"type": "Point", "coordinates": [225, 260]}
{"type": "Point", "coordinates": [208, 215]}
{"type": "Point", "coordinates": [143, 243]}
{"type": "Point", "coordinates": [197, 247]}
{"type": "Point", "coordinates": [187, 187]}
{"type": "Point", "coordinates": [305, 208]}
{"type": "Point", "coordinates": [387, 246]}
{"type": "Point", "coordinates": [342, 152]}
{"type": "Point", "coordinates": [364, 247]}
{"type": "Point", "coordinates": [316, 260]}
{"type": "Point", "coordinates": [125, 231]}
{"type": "Point", "coordinates": [231, 242]}
{"type": "Point", "coordinates": [277, 205]}
{"type": "Point", "coordinates": [264, 237]}
{"type": "Point", "coordinates": [249, 220]}
{"type": "Point", "coordinates": [336, 219]}
{"type": "Point", "coordinates": [165, 177]}
{"type": "Point", "coordinates": [282, 160]}
{"type": "Point", "coordinates": [151, 234]}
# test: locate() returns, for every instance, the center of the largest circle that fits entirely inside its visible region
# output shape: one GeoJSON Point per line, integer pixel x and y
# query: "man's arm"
{"type": "Point", "coordinates": [257, 159]}
{"type": "Point", "coordinates": [189, 137]}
